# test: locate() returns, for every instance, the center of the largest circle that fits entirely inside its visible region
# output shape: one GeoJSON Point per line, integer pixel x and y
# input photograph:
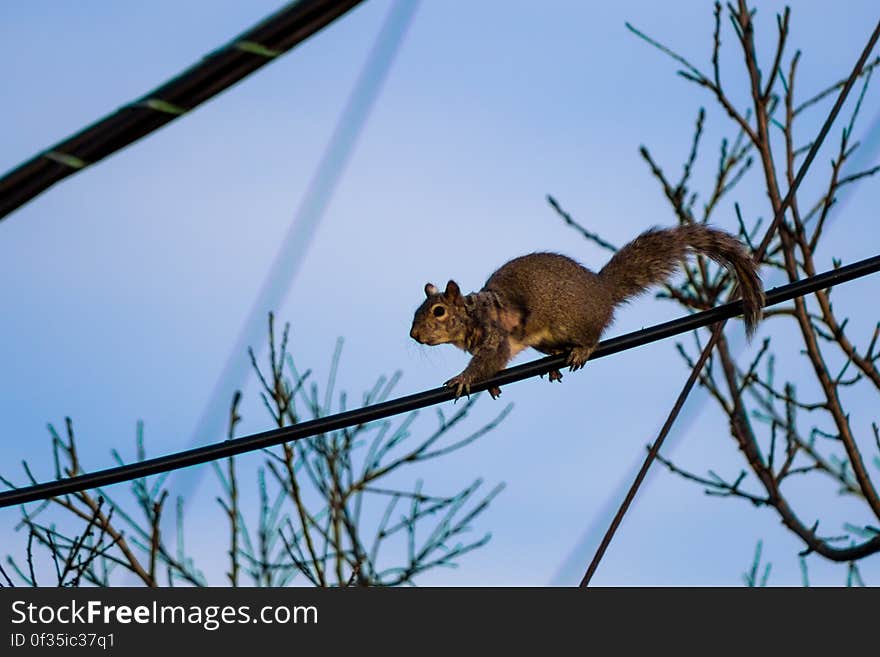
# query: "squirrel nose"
{"type": "Point", "coordinates": [414, 334]}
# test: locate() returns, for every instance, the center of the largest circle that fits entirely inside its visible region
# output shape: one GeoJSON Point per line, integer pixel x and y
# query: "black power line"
{"type": "Point", "coordinates": [361, 416]}
{"type": "Point", "coordinates": [217, 71]}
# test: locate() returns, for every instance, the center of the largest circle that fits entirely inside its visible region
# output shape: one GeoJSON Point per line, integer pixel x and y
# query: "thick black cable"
{"type": "Point", "coordinates": [361, 416]}
{"type": "Point", "coordinates": [217, 71]}
{"type": "Point", "coordinates": [716, 332]}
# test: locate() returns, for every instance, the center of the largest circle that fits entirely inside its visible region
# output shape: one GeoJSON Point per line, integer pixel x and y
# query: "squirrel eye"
{"type": "Point", "coordinates": [438, 311]}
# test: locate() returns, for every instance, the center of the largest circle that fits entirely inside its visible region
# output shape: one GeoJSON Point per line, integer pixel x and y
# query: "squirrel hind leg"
{"type": "Point", "coordinates": [553, 375]}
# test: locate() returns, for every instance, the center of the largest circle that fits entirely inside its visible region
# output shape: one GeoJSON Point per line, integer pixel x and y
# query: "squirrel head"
{"type": "Point", "coordinates": [442, 317]}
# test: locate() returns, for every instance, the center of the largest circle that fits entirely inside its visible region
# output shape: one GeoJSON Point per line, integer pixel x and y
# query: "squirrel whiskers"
{"type": "Point", "coordinates": [555, 305]}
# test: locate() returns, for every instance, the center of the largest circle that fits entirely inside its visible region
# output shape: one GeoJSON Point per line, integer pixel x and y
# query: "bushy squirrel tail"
{"type": "Point", "coordinates": [655, 254]}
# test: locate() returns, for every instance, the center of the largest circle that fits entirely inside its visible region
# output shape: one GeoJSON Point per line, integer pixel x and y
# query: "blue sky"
{"type": "Point", "coordinates": [128, 283]}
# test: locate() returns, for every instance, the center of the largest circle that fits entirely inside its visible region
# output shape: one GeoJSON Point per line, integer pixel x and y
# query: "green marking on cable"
{"type": "Point", "coordinates": [163, 106]}
{"type": "Point", "coordinates": [256, 49]}
{"type": "Point", "coordinates": [68, 160]}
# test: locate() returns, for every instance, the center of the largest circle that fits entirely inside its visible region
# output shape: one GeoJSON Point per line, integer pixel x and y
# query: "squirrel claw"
{"type": "Point", "coordinates": [578, 358]}
{"type": "Point", "coordinates": [554, 375]}
{"type": "Point", "coordinates": [460, 387]}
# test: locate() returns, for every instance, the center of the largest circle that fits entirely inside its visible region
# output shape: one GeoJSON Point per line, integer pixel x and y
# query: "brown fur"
{"type": "Point", "coordinates": [551, 303]}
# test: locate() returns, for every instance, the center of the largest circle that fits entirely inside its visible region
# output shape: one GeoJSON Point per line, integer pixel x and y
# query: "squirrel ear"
{"type": "Point", "coordinates": [452, 290]}
{"type": "Point", "coordinates": [430, 289]}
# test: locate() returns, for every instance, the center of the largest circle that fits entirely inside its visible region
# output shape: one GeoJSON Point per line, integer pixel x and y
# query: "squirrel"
{"type": "Point", "coordinates": [554, 304]}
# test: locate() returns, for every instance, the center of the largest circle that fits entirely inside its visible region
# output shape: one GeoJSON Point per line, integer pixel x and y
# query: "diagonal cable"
{"type": "Point", "coordinates": [361, 416]}
{"type": "Point", "coordinates": [868, 148]}
{"type": "Point", "coordinates": [719, 328]}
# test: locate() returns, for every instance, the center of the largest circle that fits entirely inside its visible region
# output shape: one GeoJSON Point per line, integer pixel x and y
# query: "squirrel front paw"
{"type": "Point", "coordinates": [462, 386]}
